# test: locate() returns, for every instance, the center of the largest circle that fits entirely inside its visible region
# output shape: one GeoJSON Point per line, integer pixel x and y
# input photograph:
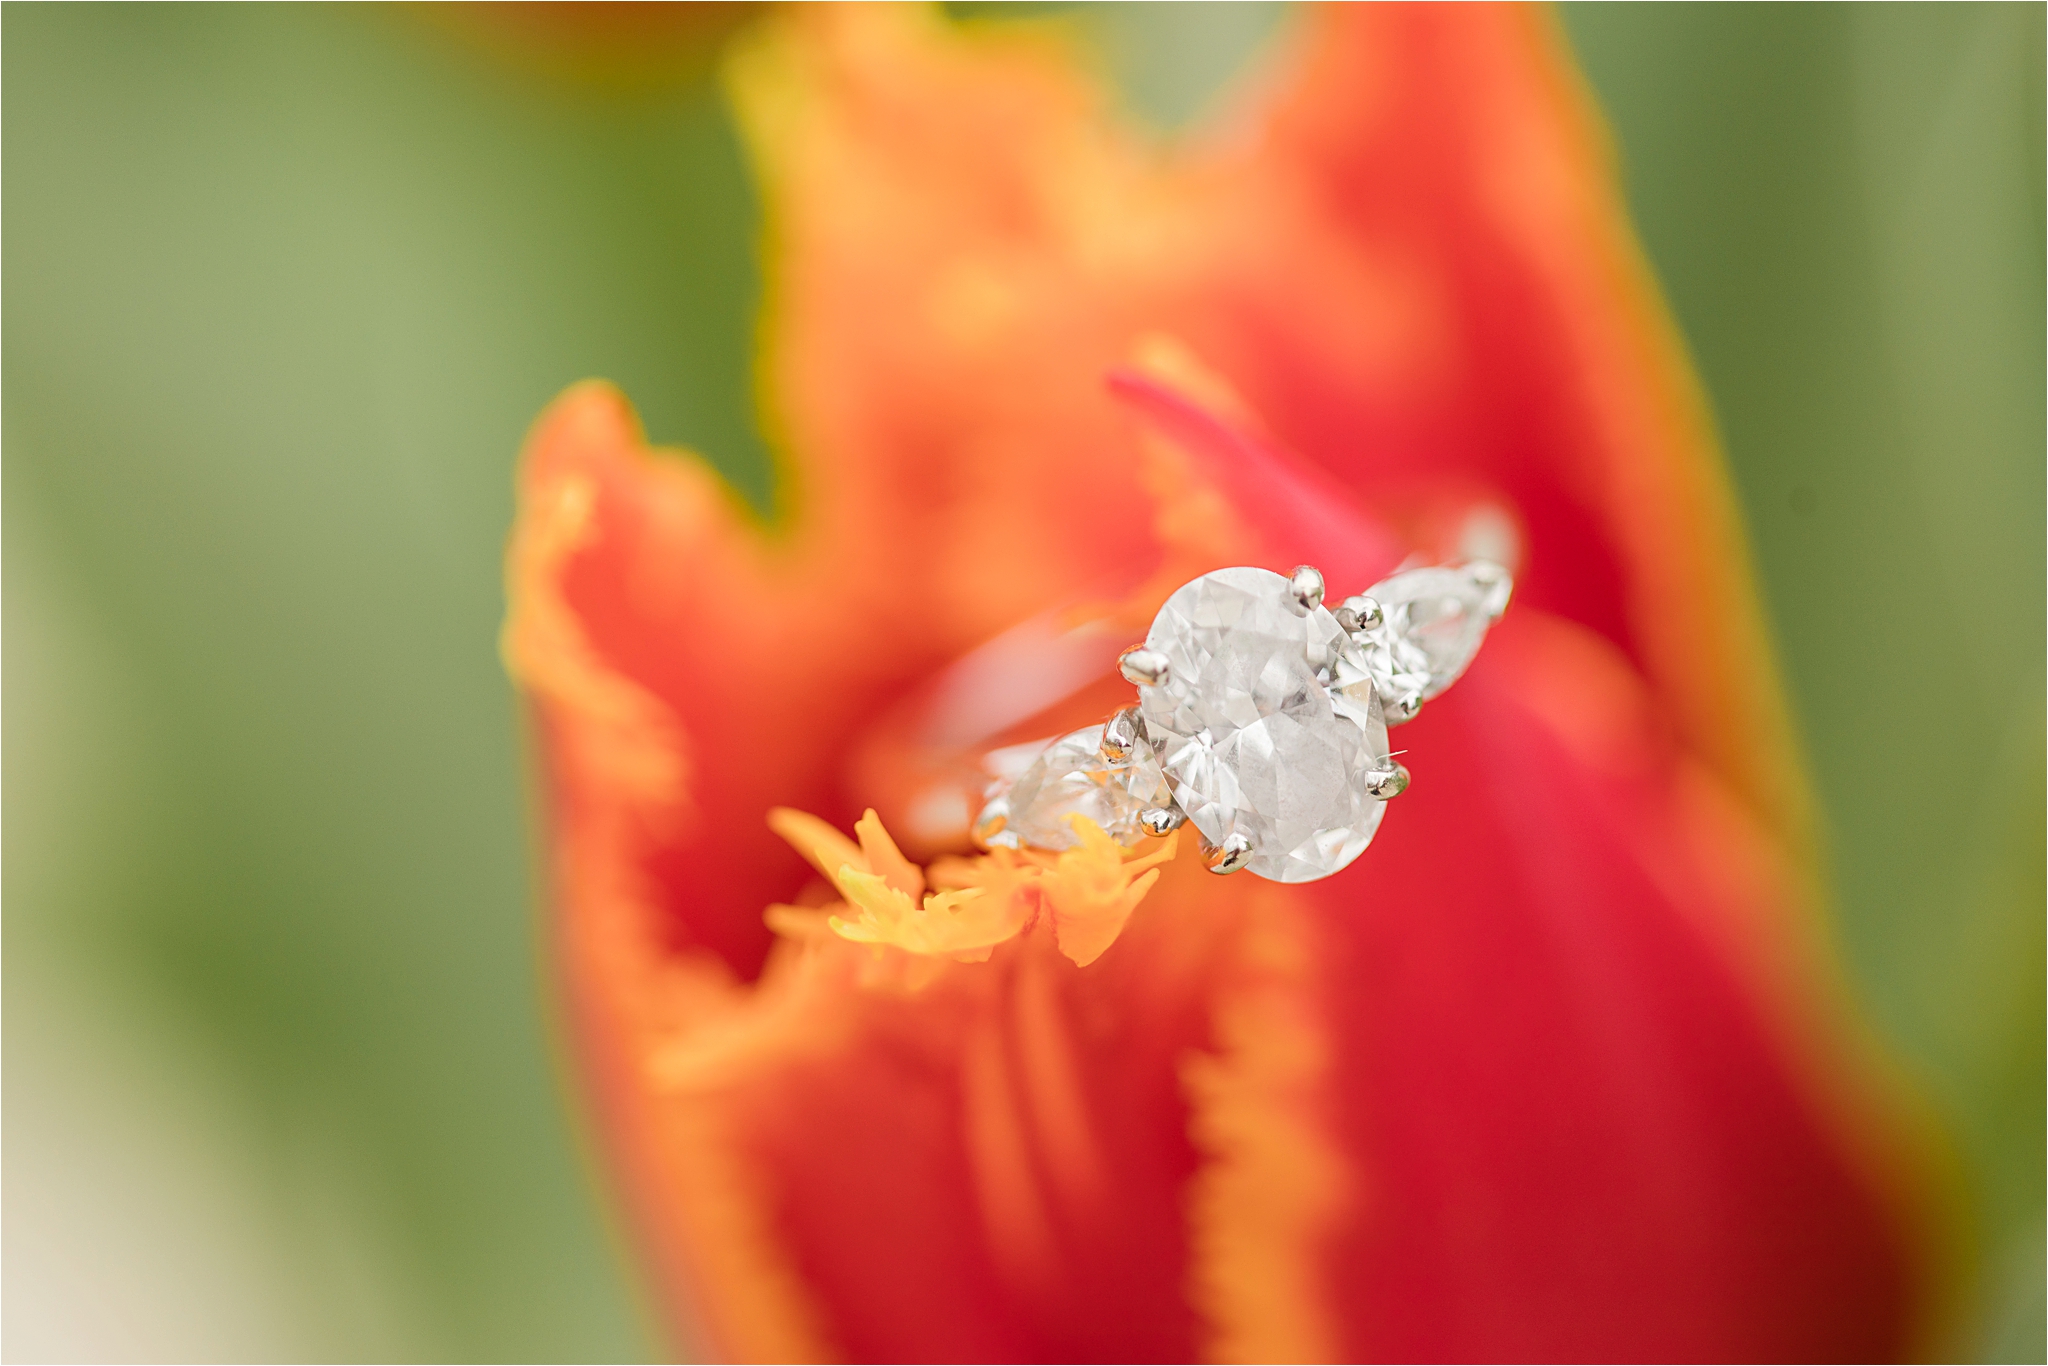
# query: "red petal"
{"type": "Point", "coordinates": [1305, 516]}
{"type": "Point", "coordinates": [1581, 1139]}
{"type": "Point", "coordinates": [1550, 1071]}
{"type": "Point", "coordinates": [1425, 282]}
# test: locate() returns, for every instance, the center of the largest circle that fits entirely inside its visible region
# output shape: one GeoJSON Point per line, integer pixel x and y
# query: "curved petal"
{"type": "Point", "coordinates": [1424, 279]}
{"type": "Point", "coordinates": [979, 1161]}
{"type": "Point", "coordinates": [1539, 1076]}
{"type": "Point", "coordinates": [1581, 1139]}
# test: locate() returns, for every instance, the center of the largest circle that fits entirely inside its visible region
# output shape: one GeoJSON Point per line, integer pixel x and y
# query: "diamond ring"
{"type": "Point", "coordinates": [1261, 720]}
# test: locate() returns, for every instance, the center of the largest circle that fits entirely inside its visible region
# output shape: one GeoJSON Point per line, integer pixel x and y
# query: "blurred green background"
{"type": "Point", "coordinates": [284, 285]}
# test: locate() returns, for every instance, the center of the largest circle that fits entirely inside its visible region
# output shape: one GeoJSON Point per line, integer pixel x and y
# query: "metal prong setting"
{"type": "Point", "coordinates": [1400, 710]}
{"type": "Point", "coordinates": [1234, 853]}
{"type": "Point", "coordinates": [1306, 587]}
{"type": "Point", "coordinates": [1146, 668]}
{"type": "Point", "coordinates": [1119, 733]}
{"type": "Point", "coordinates": [1162, 820]}
{"type": "Point", "coordinates": [1388, 783]}
{"type": "Point", "coordinates": [1360, 613]}
{"type": "Point", "coordinates": [1372, 661]}
{"type": "Point", "coordinates": [1490, 575]}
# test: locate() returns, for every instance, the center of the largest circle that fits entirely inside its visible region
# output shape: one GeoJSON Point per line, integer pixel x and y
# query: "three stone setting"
{"type": "Point", "coordinates": [1261, 720]}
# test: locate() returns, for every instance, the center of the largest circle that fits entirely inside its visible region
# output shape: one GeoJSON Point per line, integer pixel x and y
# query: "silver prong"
{"type": "Point", "coordinates": [992, 819]}
{"type": "Point", "coordinates": [1400, 710]}
{"type": "Point", "coordinates": [1365, 613]}
{"type": "Point", "coordinates": [1119, 733]}
{"type": "Point", "coordinates": [1146, 668]}
{"type": "Point", "coordinates": [1388, 784]}
{"type": "Point", "coordinates": [1234, 853]}
{"type": "Point", "coordinates": [1306, 586]}
{"type": "Point", "coordinates": [1162, 820]}
{"type": "Point", "coordinates": [1494, 578]}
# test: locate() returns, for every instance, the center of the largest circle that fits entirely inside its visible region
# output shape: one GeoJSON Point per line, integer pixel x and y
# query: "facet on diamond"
{"type": "Point", "coordinates": [1436, 620]}
{"type": "Point", "coordinates": [1071, 777]}
{"type": "Point", "coordinates": [1268, 724]}
{"type": "Point", "coordinates": [1399, 668]}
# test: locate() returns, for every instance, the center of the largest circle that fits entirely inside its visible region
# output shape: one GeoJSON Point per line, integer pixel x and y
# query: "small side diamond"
{"type": "Point", "coordinates": [1071, 776]}
{"type": "Point", "coordinates": [1399, 668]}
{"type": "Point", "coordinates": [1435, 620]}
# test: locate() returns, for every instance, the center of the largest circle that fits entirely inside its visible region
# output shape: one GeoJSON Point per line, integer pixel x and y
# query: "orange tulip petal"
{"type": "Point", "coordinates": [1549, 1072]}
{"type": "Point", "coordinates": [981, 1163]}
{"type": "Point", "coordinates": [1425, 280]}
{"type": "Point", "coordinates": [1579, 1136]}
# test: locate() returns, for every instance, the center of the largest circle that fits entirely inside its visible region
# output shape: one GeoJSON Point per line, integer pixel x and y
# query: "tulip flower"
{"type": "Point", "coordinates": [1556, 1070]}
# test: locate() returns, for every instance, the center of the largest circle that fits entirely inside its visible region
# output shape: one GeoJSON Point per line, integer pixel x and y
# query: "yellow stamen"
{"type": "Point", "coordinates": [827, 849]}
{"type": "Point", "coordinates": [1092, 889]}
{"type": "Point", "coordinates": [1089, 891]}
{"type": "Point", "coordinates": [965, 925]}
{"type": "Point", "coordinates": [885, 859]}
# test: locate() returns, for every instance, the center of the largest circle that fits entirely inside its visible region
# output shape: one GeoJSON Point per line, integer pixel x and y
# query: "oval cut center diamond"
{"type": "Point", "coordinates": [1267, 724]}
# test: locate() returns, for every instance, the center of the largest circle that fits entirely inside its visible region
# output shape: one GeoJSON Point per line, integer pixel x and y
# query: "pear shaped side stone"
{"type": "Point", "coordinates": [1072, 777]}
{"type": "Point", "coordinates": [1436, 620]}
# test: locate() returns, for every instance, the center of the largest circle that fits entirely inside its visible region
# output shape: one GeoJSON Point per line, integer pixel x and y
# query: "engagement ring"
{"type": "Point", "coordinates": [1261, 720]}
